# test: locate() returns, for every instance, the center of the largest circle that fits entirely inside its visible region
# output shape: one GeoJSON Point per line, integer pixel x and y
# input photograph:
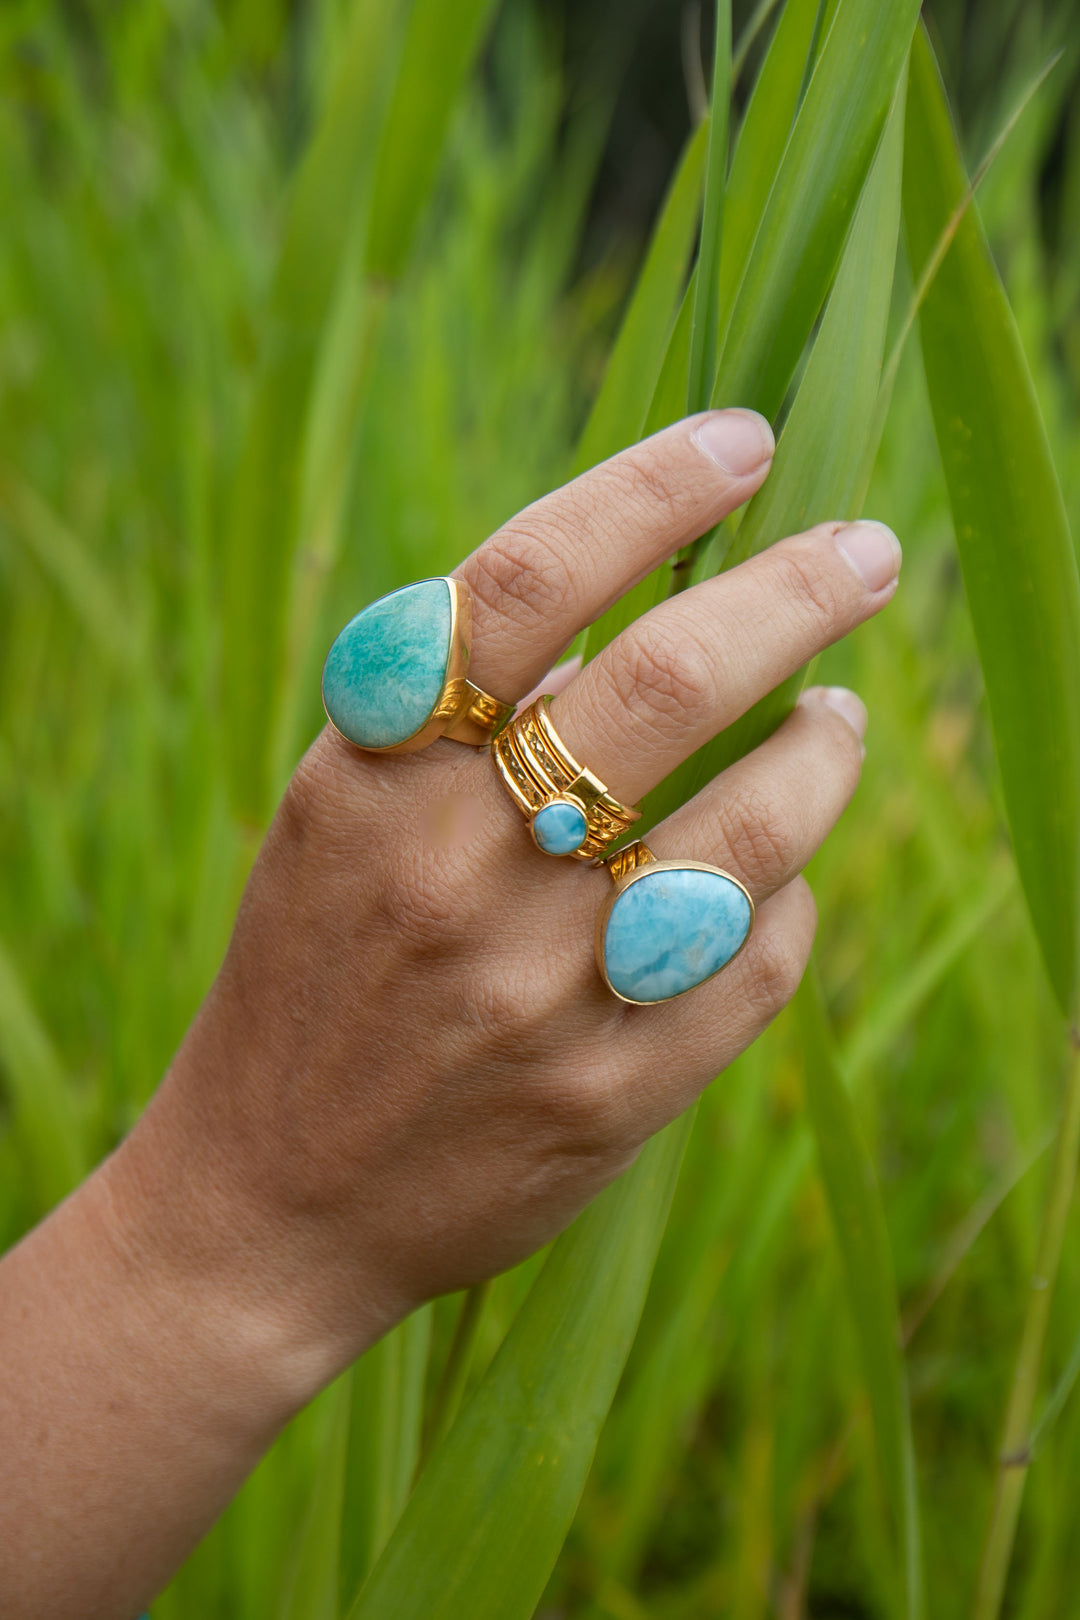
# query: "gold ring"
{"type": "Point", "coordinates": [394, 679]}
{"type": "Point", "coordinates": [570, 811]}
{"type": "Point", "coordinates": [667, 926]}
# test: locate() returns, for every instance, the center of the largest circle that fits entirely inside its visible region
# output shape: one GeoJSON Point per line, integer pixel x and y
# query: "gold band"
{"type": "Point", "coordinates": [479, 717]}
{"type": "Point", "coordinates": [541, 772]}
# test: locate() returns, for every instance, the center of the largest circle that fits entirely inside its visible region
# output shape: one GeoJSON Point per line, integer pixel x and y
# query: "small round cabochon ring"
{"type": "Point", "coordinates": [667, 926]}
{"type": "Point", "coordinates": [568, 809]}
{"type": "Point", "coordinates": [394, 679]}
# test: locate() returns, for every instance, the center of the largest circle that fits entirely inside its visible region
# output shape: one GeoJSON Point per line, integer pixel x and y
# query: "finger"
{"type": "Point", "coordinates": [670, 1052]}
{"type": "Point", "coordinates": [688, 668]}
{"type": "Point", "coordinates": [557, 565]}
{"type": "Point", "coordinates": [764, 817]}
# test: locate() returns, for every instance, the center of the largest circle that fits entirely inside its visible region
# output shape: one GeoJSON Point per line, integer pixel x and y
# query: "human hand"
{"type": "Point", "coordinates": [409, 1074]}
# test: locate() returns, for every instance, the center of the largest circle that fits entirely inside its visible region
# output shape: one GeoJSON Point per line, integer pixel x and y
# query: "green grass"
{"type": "Point", "coordinates": [255, 371]}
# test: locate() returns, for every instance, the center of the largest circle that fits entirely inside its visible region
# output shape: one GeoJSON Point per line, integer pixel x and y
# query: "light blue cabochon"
{"type": "Point", "coordinates": [559, 829]}
{"type": "Point", "coordinates": [385, 671]}
{"type": "Point", "coordinates": [669, 930]}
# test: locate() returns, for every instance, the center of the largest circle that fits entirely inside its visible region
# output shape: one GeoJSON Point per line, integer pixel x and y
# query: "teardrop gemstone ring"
{"type": "Point", "coordinates": [569, 810]}
{"type": "Point", "coordinates": [667, 926]}
{"type": "Point", "coordinates": [394, 679]}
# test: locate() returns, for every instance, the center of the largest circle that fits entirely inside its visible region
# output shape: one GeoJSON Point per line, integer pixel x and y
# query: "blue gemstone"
{"type": "Point", "coordinates": [671, 929]}
{"type": "Point", "coordinates": [385, 672]}
{"type": "Point", "coordinates": [560, 828]}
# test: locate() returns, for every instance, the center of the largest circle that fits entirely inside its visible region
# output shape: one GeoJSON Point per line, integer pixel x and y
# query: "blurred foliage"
{"type": "Point", "coordinates": [151, 155]}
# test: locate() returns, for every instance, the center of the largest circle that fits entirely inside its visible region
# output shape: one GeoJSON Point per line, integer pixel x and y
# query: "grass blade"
{"type": "Point", "coordinates": [820, 177]}
{"type": "Point", "coordinates": [1012, 531]}
{"type": "Point", "coordinates": [818, 451]}
{"type": "Point", "coordinates": [705, 319]}
{"type": "Point", "coordinates": [863, 1240]}
{"type": "Point", "coordinates": [487, 1519]}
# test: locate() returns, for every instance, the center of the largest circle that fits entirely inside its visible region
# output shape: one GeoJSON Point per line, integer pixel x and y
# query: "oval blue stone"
{"type": "Point", "coordinates": [385, 672]}
{"type": "Point", "coordinates": [671, 929]}
{"type": "Point", "coordinates": [560, 828]}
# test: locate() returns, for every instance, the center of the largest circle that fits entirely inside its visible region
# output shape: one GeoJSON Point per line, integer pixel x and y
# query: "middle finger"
{"type": "Point", "coordinates": [693, 665]}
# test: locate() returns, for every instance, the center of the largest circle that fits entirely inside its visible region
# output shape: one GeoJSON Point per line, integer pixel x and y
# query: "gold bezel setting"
{"type": "Point", "coordinates": [461, 711]}
{"type": "Point", "coordinates": [629, 866]}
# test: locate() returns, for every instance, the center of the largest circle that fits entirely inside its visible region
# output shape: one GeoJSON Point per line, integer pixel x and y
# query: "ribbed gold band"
{"type": "Point", "coordinates": [537, 767]}
{"type": "Point", "coordinates": [479, 717]}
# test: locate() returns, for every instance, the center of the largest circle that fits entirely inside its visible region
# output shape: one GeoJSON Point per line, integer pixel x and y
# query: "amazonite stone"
{"type": "Point", "coordinates": [385, 672]}
{"type": "Point", "coordinates": [671, 929]}
{"type": "Point", "coordinates": [560, 828]}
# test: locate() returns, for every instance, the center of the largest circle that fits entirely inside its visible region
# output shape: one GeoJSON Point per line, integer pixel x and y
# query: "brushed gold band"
{"type": "Point", "coordinates": [541, 772]}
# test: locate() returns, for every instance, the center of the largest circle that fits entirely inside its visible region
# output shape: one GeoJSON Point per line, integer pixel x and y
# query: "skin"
{"type": "Point", "coordinates": [408, 1074]}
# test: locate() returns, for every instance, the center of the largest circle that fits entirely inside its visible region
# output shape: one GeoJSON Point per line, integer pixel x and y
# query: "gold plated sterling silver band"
{"type": "Point", "coordinates": [569, 810]}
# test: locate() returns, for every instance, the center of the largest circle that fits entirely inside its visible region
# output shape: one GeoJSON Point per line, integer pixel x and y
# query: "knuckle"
{"type": "Point", "coordinates": [522, 573]}
{"type": "Point", "coordinates": [664, 680]}
{"type": "Point", "coordinates": [762, 842]}
{"type": "Point", "coordinates": [647, 482]}
{"type": "Point", "coordinates": [807, 584]}
{"type": "Point", "coordinates": [778, 966]}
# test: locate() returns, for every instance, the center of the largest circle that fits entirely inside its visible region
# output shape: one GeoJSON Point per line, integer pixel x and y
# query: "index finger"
{"type": "Point", "coordinates": [557, 565]}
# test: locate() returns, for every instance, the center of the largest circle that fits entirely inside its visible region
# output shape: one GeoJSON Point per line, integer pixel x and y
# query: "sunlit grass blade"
{"type": "Point", "coordinates": [762, 138]}
{"type": "Point", "coordinates": [312, 1593]}
{"type": "Point", "coordinates": [821, 174]}
{"type": "Point", "coordinates": [863, 1240]}
{"type": "Point", "coordinates": [1012, 531]}
{"type": "Point", "coordinates": [485, 1523]}
{"type": "Point", "coordinates": [639, 350]}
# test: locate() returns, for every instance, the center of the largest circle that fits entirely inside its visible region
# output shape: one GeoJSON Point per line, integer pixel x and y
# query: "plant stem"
{"type": "Point", "coordinates": [1015, 1455]}
{"type": "Point", "coordinates": [456, 1372]}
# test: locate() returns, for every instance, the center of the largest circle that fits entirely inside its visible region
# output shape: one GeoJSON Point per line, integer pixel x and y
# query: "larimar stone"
{"type": "Point", "coordinates": [560, 827]}
{"type": "Point", "coordinates": [385, 672]}
{"type": "Point", "coordinates": [671, 929]}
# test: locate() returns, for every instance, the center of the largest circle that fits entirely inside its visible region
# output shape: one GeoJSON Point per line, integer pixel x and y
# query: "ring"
{"type": "Point", "coordinates": [570, 811]}
{"type": "Point", "coordinates": [394, 679]}
{"type": "Point", "coordinates": [667, 926]}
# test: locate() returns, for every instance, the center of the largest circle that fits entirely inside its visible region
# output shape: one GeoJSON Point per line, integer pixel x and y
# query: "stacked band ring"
{"type": "Point", "coordinates": [569, 810]}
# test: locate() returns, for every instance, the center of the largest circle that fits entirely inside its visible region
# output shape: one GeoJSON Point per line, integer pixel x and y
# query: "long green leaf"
{"type": "Point", "coordinates": [820, 177]}
{"type": "Point", "coordinates": [485, 1524]}
{"type": "Point", "coordinates": [1012, 531]}
{"type": "Point", "coordinates": [863, 1240]}
{"type": "Point", "coordinates": [818, 454]}
{"type": "Point", "coordinates": [705, 320]}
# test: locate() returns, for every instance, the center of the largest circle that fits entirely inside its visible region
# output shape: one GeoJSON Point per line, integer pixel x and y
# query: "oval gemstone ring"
{"type": "Point", "coordinates": [667, 926]}
{"type": "Point", "coordinates": [569, 810]}
{"type": "Point", "coordinates": [394, 679]}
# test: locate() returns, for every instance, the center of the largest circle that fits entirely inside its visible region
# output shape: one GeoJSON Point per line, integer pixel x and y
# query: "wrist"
{"type": "Point", "coordinates": [247, 1295]}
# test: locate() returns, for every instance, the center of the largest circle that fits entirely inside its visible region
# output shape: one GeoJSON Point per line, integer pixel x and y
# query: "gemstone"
{"type": "Point", "coordinates": [385, 672]}
{"type": "Point", "coordinates": [671, 929]}
{"type": "Point", "coordinates": [560, 827]}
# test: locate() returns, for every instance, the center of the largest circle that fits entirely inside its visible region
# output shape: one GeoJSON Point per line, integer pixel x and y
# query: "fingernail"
{"type": "Point", "coordinates": [738, 441]}
{"type": "Point", "coordinates": [846, 703]}
{"type": "Point", "coordinates": [873, 551]}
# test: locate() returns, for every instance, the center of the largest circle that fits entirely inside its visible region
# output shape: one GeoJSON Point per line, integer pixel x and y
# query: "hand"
{"type": "Point", "coordinates": [409, 1071]}
{"type": "Point", "coordinates": [409, 1074]}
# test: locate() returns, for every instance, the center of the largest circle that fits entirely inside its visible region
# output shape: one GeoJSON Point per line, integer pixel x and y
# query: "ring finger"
{"type": "Point", "coordinates": [687, 669]}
